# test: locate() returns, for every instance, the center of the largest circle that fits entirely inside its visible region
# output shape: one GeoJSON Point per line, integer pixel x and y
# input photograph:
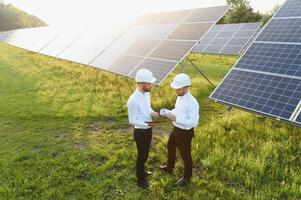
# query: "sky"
{"type": "Point", "coordinates": [79, 12]}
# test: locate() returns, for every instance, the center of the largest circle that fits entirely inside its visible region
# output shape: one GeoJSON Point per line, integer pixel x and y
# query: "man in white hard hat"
{"type": "Point", "coordinates": [140, 115]}
{"type": "Point", "coordinates": [185, 117]}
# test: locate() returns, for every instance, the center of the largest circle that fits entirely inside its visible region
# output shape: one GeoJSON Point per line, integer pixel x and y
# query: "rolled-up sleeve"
{"type": "Point", "coordinates": [193, 117]}
{"type": "Point", "coordinates": [132, 113]}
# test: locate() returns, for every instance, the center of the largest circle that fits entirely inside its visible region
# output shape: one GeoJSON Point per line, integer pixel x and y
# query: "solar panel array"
{"type": "Point", "coordinates": [267, 78]}
{"type": "Point", "coordinates": [228, 39]}
{"type": "Point", "coordinates": [157, 42]}
{"type": "Point", "coordinates": [32, 39]}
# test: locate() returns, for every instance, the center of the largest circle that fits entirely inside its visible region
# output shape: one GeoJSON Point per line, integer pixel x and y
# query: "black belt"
{"type": "Point", "coordinates": [143, 130]}
{"type": "Point", "coordinates": [183, 130]}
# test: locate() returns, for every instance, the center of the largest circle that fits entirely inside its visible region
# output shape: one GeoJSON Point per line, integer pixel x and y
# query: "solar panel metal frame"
{"type": "Point", "coordinates": [296, 123]}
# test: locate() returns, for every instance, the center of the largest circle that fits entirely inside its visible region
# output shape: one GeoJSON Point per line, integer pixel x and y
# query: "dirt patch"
{"type": "Point", "coordinates": [98, 159]}
{"type": "Point", "coordinates": [110, 125]}
{"type": "Point", "coordinates": [93, 128]}
{"type": "Point", "coordinates": [124, 129]}
{"type": "Point", "coordinates": [60, 137]}
{"type": "Point", "coordinates": [80, 146]}
{"type": "Point", "coordinates": [107, 125]}
{"type": "Point", "coordinates": [198, 171]}
{"type": "Point", "coordinates": [158, 134]}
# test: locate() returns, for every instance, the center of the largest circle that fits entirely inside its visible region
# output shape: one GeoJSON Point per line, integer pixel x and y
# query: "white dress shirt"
{"type": "Point", "coordinates": [139, 109]}
{"type": "Point", "coordinates": [186, 111]}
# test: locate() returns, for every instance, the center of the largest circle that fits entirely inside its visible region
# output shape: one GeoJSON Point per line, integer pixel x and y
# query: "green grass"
{"type": "Point", "coordinates": [64, 135]}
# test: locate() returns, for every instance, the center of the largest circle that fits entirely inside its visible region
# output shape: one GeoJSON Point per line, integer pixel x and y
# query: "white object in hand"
{"type": "Point", "coordinates": [164, 112]}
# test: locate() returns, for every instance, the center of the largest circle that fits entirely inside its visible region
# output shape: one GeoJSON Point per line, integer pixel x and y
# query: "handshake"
{"type": "Point", "coordinates": [164, 113]}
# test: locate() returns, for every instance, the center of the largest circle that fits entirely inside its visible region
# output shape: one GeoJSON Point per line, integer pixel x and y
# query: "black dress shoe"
{"type": "Point", "coordinates": [147, 173]}
{"type": "Point", "coordinates": [182, 182]}
{"type": "Point", "coordinates": [166, 169]}
{"type": "Point", "coordinates": [143, 184]}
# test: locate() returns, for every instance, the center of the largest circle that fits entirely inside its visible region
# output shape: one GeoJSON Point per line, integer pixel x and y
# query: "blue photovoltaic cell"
{"type": "Point", "coordinates": [275, 58]}
{"type": "Point", "coordinates": [291, 8]}
{"type": "Point", "coordinates": [267, 78]}
{"type": "Point", "coordinates": [282, 30]}
{"type": "Point", "coordinates": [227, 39]}
{"type": "Point", "coordinates": [159, 68]}
{"type": "Point", "coordinates": [211, 14]}
{"type": "Point", "coordinates": [271, 95]}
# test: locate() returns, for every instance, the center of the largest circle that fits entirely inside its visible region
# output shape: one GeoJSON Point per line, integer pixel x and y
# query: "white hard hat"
{"type": "Point", "coordinates": [144, 76]}
{"type": "Point", "coordinates": [180, 81]}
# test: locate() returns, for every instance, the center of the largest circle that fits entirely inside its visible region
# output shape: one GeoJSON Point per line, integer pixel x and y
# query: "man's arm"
{"type": "Point", "coordinates": [193, 117]}
{"type": "Point", "coordinates": [132, 112]}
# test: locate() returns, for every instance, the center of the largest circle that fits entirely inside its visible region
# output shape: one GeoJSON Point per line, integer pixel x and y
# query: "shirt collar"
{"type": "Point", "coordinates": [186, 96]}
{"type": "Point", "coordinates": [140, 93]}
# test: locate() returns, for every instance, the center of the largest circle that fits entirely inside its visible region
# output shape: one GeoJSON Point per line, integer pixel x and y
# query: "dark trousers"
{"type": "Point", "coordinates": [143, 138]}
{"type": "Point", "coordinates": [182, 139]}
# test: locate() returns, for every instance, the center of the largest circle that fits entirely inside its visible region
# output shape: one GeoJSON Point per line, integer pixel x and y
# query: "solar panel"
{"type": "Point", "coordinates": [41, 37]}
{"type": "Point", "coordinates": [172, 50]}
{"type": "Point", "coordinates": [237, 41]}
{"type": "Point", "coordinates": [32, 39]}
{"type": "Point", "coordinates": [282, 30]}
{"type": "Point", "coordinates": [273, 95]}
{"type": "Point", "coordinates": [161, 39]}
{"type": "Point", "coordinates": [206, 14]}
{"type": "Point", "coordinates": [20, 38]}
{"type": "Point", "coordinates": [160, 68]}
{"type": "Point", "coordinates": [6, 36]}
{"type": "Point", "coordinates": [150, 32]}
{"type": "Point", "coordinates": [227, 39]}
{"type": "Point", "coordinates": [62, 41]}
{"type": "Point", "coordinates": [106, 58]}
{"type": "Point", "coordinates": [155, 41]}
{"type": "Point", "coordinates": [124, 64]}
{"type": "Point", "coordinates": [91, 44]}
{"type": "Point", "coordinates": [291, 8]}
{"type": "Point", "coordinates": [190, 31]}
{"type": "Point", "coordinates": [213, 48]}
{"type": "Point", "coordinates": [148, 19]}
{"type": "Point", "coordinates": [267, 78]}
{"type": "Point", "coordinates": [274, 58]}
{"type": "Point", "coordinates": [142, 47]}
{"type": "Point", "coordinates": [172, 17]}
{"type": "Point", "coordinates": [230, 50]}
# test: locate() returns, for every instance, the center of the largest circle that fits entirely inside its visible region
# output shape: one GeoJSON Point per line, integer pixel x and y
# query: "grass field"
{"type": "Point", "coordinates": [64, 135]}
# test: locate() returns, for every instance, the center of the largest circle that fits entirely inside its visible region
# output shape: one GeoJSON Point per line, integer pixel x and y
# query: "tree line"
{"type": "Point", "coordinates": [13, 18]}
{"type": "Point", "coordinates": [242, 12]}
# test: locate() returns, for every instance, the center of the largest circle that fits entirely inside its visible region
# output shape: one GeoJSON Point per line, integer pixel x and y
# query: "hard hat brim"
{"type": "Point", "coordinates": [176, 87]}
{"type": "Point", "coordinates": [144, 81]}
{"type": "Point", "coordinates": [154, 80]}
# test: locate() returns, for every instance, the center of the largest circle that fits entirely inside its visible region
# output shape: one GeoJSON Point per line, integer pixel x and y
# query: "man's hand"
{"type": "Point", "coordinates": [171, 117]}
{"type": "Point", "coordinates": [155, 115]}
